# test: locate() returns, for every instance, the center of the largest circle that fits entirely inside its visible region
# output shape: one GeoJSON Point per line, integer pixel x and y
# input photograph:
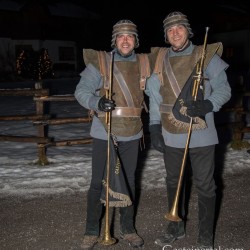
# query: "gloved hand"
{"type": "Point", "coordinates": [156, 137]}
{"type": "Point", "coordinates": [106, 105]}
{"type": "Point", "coordinates": [199, 108]}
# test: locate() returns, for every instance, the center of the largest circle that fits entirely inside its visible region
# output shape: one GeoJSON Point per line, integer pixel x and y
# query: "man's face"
{"type": "Point", "coordinates": [177, 36]}
{"type": "Point", "coordinates": [125, 43]}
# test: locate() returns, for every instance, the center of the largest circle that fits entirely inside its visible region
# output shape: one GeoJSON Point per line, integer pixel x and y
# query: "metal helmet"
{"type": "Point", "coordinates": [124, 26]}
{"type": "Point", "coordinates": [174, 18]}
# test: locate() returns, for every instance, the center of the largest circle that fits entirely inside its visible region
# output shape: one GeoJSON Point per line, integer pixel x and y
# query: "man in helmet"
{"type": "Point", "coordinates": [174, 108]}
{"type": "Point", "coordinates": [130, 71]}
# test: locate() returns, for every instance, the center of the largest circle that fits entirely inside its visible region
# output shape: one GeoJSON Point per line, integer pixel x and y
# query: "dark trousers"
{"type": "Point", "coordinates": [128, 152]}
{"type": "Point", "coordinates": [202, 163]}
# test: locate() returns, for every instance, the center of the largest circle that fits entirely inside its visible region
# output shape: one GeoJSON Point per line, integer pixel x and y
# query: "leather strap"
{"type": "Point", "coordinates": [159, 63]}
{"type": "Point", "coordinates": [104, 59]}
{"type": "Point", "coordinates": [171, 77]}
{"type": "Point", "coordinates": [124, 87]}
{"type": "Point", "coordinates": [162, 58]}
{"type": "Point", "coordinates": [123, 112]}
{"type": "Point", "coordinates": [144, 70]}
{"type": "Point", "coordinates": [104, 68]}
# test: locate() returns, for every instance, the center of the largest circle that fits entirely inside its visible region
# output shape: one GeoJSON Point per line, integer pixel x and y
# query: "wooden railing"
{"type": "Point", "coordinates": [41, 120]}
{"type": "Point", "coordinates": [239, 124]}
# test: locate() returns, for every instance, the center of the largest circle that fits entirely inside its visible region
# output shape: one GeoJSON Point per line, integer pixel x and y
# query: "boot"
{"type": "Point", "coordinates": [94, 212]}
{"type": "Point", "coordinates": [88, 242]}
{"type": "Point", "coordinates": [127, 228]}
{"type": "Point", "coordinates": [133, 239]}
{"type": "Point", "coordinates": [206, 222]}
{"type": "Point", "coordinates": [127, 219]}
{"type": "Point", "coordinates": [175, 230]}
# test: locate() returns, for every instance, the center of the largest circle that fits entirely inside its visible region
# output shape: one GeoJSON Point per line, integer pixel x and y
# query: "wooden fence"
{"type": "Point", "coordinates": [240, 111]}
{"type": "Point", "coordinates": [41, 120]}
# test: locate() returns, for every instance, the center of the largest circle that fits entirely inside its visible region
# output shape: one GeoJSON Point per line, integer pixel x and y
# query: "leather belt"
{"type": "Point", "coordinates": [123, 112]}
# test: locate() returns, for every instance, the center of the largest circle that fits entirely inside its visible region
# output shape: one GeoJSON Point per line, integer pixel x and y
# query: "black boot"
{"type": "Point", "coordinates": [206, 222]}
{"type": "Point", "coordinates": [127, 219]}
{"type": "Point", "coordinates": [94, 212]}
{"type": "Point", "coordinates": [175, 230]}
{"type": "Point", "coordinates": [127, 228]}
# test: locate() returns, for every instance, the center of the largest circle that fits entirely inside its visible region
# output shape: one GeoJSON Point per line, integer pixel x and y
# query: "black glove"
{"type": "Point", "coordinates": [106, 105]}
{"type": "Point", "coordinates": [156, 137]}
{"type": "Point", "coordinates": [199, 108]}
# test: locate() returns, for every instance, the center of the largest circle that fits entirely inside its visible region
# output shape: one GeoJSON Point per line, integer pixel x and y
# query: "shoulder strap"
{"type": "Point", "coordinates": [144, 69]}
{"type": "Point", "coordinates": [159, 63]}
{"type": "Point", "coordinates": [104, 68]}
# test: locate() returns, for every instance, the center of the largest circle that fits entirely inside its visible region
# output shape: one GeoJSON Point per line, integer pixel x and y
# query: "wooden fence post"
{"type": "Point", "coordinates": [41, 128]}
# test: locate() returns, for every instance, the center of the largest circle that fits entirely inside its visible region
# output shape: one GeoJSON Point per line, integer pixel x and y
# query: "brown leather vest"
{"type": "Point", "coordinates": [186, 65]}
{"type": "Point", "coordinates": [127, 93]}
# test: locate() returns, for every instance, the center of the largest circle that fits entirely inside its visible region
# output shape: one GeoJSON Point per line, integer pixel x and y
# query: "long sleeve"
{"type": "Point", "coordinates": [153, 92]}
{"type": "Point", "coordinates": [219, 91]}
{"type": "Point", "coordinates": [87, 89]}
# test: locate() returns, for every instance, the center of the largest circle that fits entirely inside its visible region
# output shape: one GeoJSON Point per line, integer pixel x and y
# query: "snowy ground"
{"type": "Point", "coordinates": [70, 167]}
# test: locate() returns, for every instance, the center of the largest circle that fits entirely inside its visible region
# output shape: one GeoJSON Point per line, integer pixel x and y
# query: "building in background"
{"type": "Point", "coordinates": [65, 27]}
{"type": "Point", "coordinates": [51, 25]}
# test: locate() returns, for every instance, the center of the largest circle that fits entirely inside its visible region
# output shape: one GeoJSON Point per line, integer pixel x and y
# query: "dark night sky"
{"type": "Point", "coordinates": [149, 17]}
{"type": "Point", "coordinates": [219, 15]}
